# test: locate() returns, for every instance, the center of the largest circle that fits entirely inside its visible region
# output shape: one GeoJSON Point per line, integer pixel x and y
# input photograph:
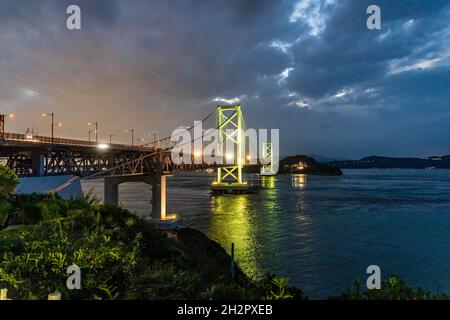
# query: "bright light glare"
{"type": "Point", "coordinates": [229, 156]}
{"type": "Point", "coordinates": [102, 146]}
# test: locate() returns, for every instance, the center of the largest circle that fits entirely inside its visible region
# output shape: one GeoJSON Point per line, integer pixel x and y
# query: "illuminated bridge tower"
{"type": "Point", "coordinates": [231, 144]}
{"type": "Point", "coordinates": [267, 167]}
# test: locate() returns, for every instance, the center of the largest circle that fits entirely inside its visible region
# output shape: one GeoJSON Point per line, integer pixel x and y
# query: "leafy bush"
{"type": "Point", "coordinates": [277, 289]}
{"type": "Point", "coordinates": [163, 280]}
{"type": "Point", "coordinates": [6, 211]}
{"type": "Point", "coordinates": [8, 180]}
{"type": "Point", "coordinates": [100, 251]}
{"type": "Point", "coordinates": [34, 208]}
{"type": "Point", "coordinates": [393, 288]}
{"type": "Point", "coordinates": [230, 291]}
{"type": "Point", "coordinates": [8, 183]}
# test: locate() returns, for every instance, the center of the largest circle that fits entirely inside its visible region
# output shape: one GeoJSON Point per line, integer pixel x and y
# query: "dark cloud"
{"type": "Point", "coordinates": [312, 69]}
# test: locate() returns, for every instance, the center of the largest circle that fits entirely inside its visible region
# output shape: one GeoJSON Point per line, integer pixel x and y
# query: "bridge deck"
{"type": "Point", "coordinates": [22, 140]}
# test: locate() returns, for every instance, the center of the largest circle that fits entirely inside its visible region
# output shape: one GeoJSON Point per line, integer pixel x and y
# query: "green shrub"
{"type": "Point", "coordinates": [8, 180]}
{"type": "Point", "coordinates": [277, 289]}
{"type": "Point", "coordinates": [103, 256]}
{"type": "Point", "coordinates": [230, 291]}
{"type": "Point", "coordinates": [393, 288]}
{"type": "Point", "coordinates": [8, 183]}
{"type": "Point", "coordinates": [163, 280]}
{"type": "Point", "coordinates": [6, 211]}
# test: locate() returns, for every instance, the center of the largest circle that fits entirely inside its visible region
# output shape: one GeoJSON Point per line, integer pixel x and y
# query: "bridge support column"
{"type": "Point", "coordinates": [158, 215]}
{"type": "Point", "coordinates": [37, 159]}
{"type": "Point", "coordinates": [156, 201]}
{"type": "Point", "coordinates": [159, 199]}
{"type": "Point", "coordinates": [111, 191]}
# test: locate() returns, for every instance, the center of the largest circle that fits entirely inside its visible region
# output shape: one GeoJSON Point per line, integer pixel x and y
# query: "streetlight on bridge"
{"type": "Point", "coordinates": [132, 135]}
{"type": "Point", "coordinates": [110, 138]}
{"type": "Point", "coordinates": [90, 131]}
{"type": "Point", "coordinates": [2, 123]}
{"type": "Point", "coordinates": [52, 115]}
{"type": "Point", "coordinates": [153, 134]}
{"type": "Point", "coordinates": [140, 140]}
{"type": "Point", "coordinates": [96, 129]}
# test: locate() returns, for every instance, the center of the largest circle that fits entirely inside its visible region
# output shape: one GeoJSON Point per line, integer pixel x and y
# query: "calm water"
{"type": "Point", "coordinates": [322, 232]}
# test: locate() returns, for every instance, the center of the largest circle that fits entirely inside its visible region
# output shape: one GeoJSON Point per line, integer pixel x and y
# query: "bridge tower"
{"type": "Point", "coordinates": [231, 144]}
{"type": "Point", "coordinates": [267, 167]}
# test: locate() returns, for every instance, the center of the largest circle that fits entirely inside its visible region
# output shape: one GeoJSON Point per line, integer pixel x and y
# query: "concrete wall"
{"type": "Point", "coordinates": [67, 187]}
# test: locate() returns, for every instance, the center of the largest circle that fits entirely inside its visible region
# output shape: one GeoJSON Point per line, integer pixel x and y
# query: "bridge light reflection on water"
{"type": "Point", "coordinates": [268, 182]}
{"type": "Point", "coordinates": [299, 181]}
{"type": "Point", "coordinates": [231, 222]}
{"type": "Point", "coordinates": [252, 222]}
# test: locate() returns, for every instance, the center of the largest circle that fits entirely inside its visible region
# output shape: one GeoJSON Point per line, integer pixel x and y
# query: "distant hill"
{"type": "Point", "coordinates": [372, 162]}
{"type": "Point", "coordinates": [325, 160]}
{"type": "Point", "coordinates": [301, 164]}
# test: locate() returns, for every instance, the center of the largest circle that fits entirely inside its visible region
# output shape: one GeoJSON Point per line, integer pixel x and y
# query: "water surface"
{"type": "Point", "coordinates": [321, 232]}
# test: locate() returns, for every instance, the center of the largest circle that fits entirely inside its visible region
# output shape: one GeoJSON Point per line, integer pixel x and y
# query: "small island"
{"type": "Point", "coordinates": [301, 164]}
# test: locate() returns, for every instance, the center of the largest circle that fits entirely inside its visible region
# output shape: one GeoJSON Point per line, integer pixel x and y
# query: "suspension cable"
{"type": "Point", "coordinates": [152, 153]}
{"type": "Point", "coordinates": [189, 128]}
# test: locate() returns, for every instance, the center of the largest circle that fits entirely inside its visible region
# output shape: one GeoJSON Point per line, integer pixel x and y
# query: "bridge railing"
{"type": "Point", "coordinates": [64, 141]}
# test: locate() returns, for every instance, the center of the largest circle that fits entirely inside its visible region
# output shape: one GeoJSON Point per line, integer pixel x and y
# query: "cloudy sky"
{"type": "Point", "coordinates": [310, 68]}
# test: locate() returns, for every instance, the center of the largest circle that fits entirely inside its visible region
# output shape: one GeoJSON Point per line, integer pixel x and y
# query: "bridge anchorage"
{"type": "Point", "coordinates": [231, 146]}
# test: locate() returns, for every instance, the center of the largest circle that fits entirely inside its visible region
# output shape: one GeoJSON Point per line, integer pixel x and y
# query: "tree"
{"type": "Point", "coordinates": [8, 180]}
{"type": "Point", "coordinates": [8, 183]}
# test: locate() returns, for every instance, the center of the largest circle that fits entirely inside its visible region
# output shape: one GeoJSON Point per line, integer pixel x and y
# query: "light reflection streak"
{"type": "Point", "coordinates": [231, 222]}
{"type": "Point", "coordinates": [299, 181]}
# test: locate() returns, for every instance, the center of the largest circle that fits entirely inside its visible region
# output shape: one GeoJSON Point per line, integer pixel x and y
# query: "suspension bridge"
{"type": "Point", "coordinates": [149, 163]}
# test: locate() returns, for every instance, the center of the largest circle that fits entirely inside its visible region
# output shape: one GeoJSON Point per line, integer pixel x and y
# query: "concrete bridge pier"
{"type": "Point", "coordinates": [111, 192]}
{"type": "Point", "coordinates": [158, 210]}
{"type": "Point", "coordinates": [111, 187]}
{"type": "Point", "coordinates": [37, 163]}
{"type": "Point", "coordinates": [158, 183]}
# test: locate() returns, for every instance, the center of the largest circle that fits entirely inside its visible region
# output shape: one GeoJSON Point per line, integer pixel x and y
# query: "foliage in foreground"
{"type": "Point", "coordinates": [392, 288]}
{"type": "Point", "coordinates": [120, 256]}
{"type": "Point", "coordinates": [105, 242]}
{"type": "Point", "coordinates": [8, 183]}
{"type": "Point", "coordinates": [8, 180]}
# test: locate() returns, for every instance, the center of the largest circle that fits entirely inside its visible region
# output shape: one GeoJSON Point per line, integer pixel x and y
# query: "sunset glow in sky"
{"type": "Point", "coordinates": [310, 68]}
